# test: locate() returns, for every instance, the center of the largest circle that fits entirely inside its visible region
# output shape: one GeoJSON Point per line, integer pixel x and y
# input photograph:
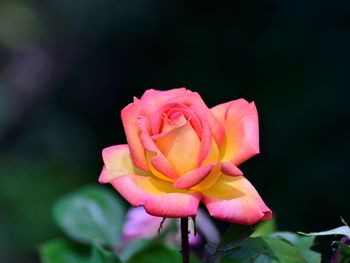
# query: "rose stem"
{"type": "Point", "coordinates": [185, 247]}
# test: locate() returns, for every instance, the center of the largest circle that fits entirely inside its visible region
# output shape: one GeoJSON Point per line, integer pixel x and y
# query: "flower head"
{"type": "Point", "coordinates": [181, 153]}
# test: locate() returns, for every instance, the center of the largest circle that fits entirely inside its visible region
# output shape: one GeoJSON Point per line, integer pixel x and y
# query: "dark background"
{"type": "Point", "coordinates": [67, 68]}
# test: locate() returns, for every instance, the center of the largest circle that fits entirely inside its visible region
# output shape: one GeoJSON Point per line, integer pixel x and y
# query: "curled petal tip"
{"type": "Point", "coordinates": [235, 200]}
{"type": "Point", "coordinates": [194, 177]}
{"type": "Point", "coordinates": [229, 169]}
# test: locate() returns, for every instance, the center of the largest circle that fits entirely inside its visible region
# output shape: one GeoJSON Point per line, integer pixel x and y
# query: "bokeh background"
{"type": "Point", "coordinates": [67, 68]}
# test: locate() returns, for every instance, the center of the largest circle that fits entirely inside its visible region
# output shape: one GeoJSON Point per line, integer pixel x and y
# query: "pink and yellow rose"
{"type": "Point", "coordinates": [181, 153]}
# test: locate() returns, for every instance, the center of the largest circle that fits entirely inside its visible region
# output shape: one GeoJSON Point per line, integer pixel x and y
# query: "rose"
{"type": "Point", "coordinates": [180, 153]}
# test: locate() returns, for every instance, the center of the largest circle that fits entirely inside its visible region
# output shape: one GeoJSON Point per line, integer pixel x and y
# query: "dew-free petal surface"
{"type": "Point", "coordinates": [158, 197]}
{"type": "Point", "coordinates": [235, 200]}
{"type": "Point", "coordinates": [117, 161]}
{"type": "Point", "coordinates": [240, 120]}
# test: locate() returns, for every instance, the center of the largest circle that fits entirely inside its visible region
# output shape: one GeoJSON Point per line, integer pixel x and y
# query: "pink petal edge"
{"type": "Point", "coordinates": [130, 115]}
{"type": "Point", "coordinates": [240, 205]}
{"type": "Point", "coordinates": [103, 178]}
{"type": "Point", "coordinates": [240, 120]}
{"type": "Point", "coordinates": [176, 204]}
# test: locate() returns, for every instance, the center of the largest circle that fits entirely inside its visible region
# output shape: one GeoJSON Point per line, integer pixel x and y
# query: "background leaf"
{"type": "Point", "coordinates": [60, 251]}
{"type": "Point", "coordinates": [100, 255]}
{"type": "Point", "coordinates": [133, 247]}
{"type": "Point", "coordinates": [156, 253]}
{"type": "Point", "coordinates": [344, 247]}
{"type": "Point", "coordinates": [264, 228]}
{"type": "Point", "coordinates": [302, 243]}
{"type": "Point", "coordinates": [233, 235]}
{"type": "Point", "coordinates": [91, 214]}
{"type": "Point", "coordinates": [342, 254]}
{"type": "Point", "coordinates": [263, 249]}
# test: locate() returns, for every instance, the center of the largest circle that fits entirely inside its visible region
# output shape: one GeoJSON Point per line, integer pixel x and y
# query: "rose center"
{"type": "Point", "coordinates": [173, 120]}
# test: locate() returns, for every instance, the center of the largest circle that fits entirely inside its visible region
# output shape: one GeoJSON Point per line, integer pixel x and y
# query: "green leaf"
{"type": "Point", "coordinates": [61, 251]}
{"type": "Point", "coordinates": [133, 247]}
{"type": "Point", "coordinates": [263, 249]}
{"type": "Point", "coordinates": [264, 228]}
{"type": "Point", "coordinates": [344, 254]}
{"type": "Point", "coordinates": [100, 255]}
{"type": "Point", "coordinates": [302, 243]}
{"type": "Point", "coordinates": [344, 247]}
{"type": "Point", "coordinates": [91, 214]}
{"type": "Point", "coordinates": [232, 236]}
{"type": "Point", "coordinates": [157, 253]}
{"type": "Point", "coordinates": [342, 230]}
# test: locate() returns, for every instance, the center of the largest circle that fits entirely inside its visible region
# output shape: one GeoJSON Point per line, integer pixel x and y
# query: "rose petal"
{"type": "Point", "coordinates": [193, 99]}
{"type": "Point", "coordinates": [130, 115]}
{"type": "Point", "coordinates": [230, 169]}
{"type": "Point", "coordinates": [240, 120]}
{"type": "Point", "coordinates": [206, 134]}
{"type": "Point", "coordinates": [117, 160]}
{"type": "Point", "coordinates": [198, 119]}
{"type": "Point", "coordinates": [210, 179]}
{"type": "Point", "coordinates": [104, 176]}
{"type": "Point", "coordinates": [181, 148]}
{"type": "Point", "coordinates": [157, 117]}
{"type": "Point", "coordinates": [194, 177]}
{"type": "Point", "coordinates": [235, 200]}
{"type": "Point", "coordinates": [158, 164]}
{"type": "Point", "coordinates": [158, 197]}
{"type": "Point", "coordinates": [156, 98]}
{"type": "Point", "coordinates": [213, 155]}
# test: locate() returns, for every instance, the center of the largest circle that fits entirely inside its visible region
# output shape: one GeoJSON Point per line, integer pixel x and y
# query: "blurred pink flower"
{"type": "Point", "coordinates": [141, 225]}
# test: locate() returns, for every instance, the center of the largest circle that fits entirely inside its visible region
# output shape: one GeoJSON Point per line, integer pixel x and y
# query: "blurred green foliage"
{"type": "Point", "coordinates": [67, 68]}
{"type": "Point", "coordinates": [86, 216]}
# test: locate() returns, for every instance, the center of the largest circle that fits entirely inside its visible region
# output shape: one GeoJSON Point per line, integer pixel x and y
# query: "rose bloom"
{"type": "Point", "coordinates": [181, 153]}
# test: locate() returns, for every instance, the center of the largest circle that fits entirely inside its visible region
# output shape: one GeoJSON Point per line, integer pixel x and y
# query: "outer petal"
{"type": "Point", "coordinates": [130, 115]}
{"type": "Point", "coordinates": [117, 162]}
{"type": "Point", "coordinates": [235, 200]}
{"type": "Point", "coordinates": [158, 197]}
{"type": "Point", "coordinates": [240, 120]}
